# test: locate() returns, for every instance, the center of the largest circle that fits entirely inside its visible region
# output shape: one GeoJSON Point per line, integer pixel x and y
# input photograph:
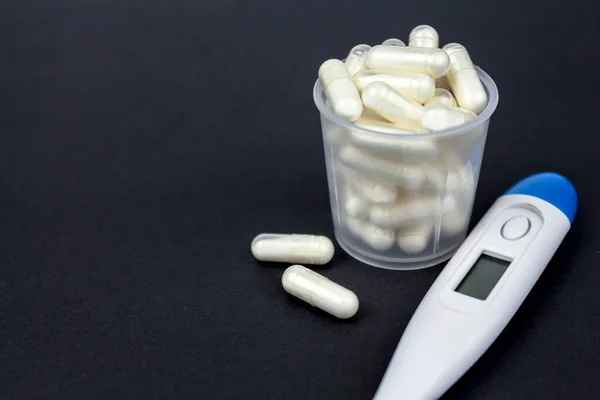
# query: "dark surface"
{"type": "Point", "coordinates": [145, 143]}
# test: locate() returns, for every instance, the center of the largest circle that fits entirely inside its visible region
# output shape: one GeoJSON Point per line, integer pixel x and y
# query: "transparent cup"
{"type": "Point", "coordinates": [403, 201]}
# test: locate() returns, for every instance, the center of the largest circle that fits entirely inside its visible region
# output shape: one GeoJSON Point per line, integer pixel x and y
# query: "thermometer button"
{"type": "Point", "coordinates": [515, 228]}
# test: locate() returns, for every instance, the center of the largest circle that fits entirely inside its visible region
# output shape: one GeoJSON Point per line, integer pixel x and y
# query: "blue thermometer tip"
{"type": "Point", "coordinates": [552, 188]}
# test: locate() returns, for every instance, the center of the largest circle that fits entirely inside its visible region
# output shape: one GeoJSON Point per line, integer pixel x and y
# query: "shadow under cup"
{"type": "Point", "coordinates": [403, 201]}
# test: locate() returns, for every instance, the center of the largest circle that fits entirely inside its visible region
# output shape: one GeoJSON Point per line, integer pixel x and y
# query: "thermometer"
{"type": "Point", "coordinates": [481, 288]}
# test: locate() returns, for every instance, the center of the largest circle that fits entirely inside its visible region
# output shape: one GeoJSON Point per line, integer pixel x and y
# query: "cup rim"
{"type": "Point", "coordinates": [486, 80]}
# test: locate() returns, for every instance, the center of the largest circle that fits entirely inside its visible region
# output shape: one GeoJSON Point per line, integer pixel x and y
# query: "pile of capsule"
{"type": "Point", "coordinates": [392, 189]}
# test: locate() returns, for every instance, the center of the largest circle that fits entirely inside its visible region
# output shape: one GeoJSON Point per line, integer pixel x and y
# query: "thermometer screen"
{"type": "Point", "coordinates": [482, 277]}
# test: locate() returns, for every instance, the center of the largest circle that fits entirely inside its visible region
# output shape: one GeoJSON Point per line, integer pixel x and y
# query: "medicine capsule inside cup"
{"type": "Point", "coordinates": [438, 117]}
{"type": "Point", "coordinates": [455, 223]}
{"type": "Point", "coordinates": [464, 80]}
{"type": "Point", "coordinates": [394, 145]}
{"type": "Point", "coordinates": [417, 87]}
{"type": "Point", "coordinates": [424, 36]}
{"type": "Point", "coordinates": [340, 90]}
{"type": "Point", "coordinates": [373, 192]}
{"type": "Point", "coordinates": [378, 238]}
{"type": "Point", "coordinates": [380, 126]}
{"type": "Point", "coordinates": [393, 42]}
{"type": "Point", "coordinates": [406, 175]}
{"type": "Point", "coordinates": [357, 58]}
{"type": "Point", "coordinates": [393, 106]}
{"type": "Point", "coordinates": [443, 97]}
{"type": "Point", "coordinates": [415, 238]}
{"type": "Point", "coordinates": [320, 292]}
{"type": "Point", "coordinates": [420, 60]}
{"type": "Point", "coordinates": [411, 209]}
{"type": "Point", "coordinates": [307, 249]}
{"type": "Point", "coordinates": [354, 204]}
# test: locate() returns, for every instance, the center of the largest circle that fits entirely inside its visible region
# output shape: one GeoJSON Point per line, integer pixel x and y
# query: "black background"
{"type": "Point", "coordinates": [146, 142]}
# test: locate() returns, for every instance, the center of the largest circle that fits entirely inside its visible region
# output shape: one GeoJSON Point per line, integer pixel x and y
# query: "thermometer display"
{"type": "Point", "coordinates": [483, 276]}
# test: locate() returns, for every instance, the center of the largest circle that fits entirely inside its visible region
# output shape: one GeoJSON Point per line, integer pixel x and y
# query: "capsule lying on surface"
{"type": "Point", "coordinates": [320, 292]}
{"type": "Point", "coordinates": [433, 62]}
{"type": "Point", "coordinates": [307, 249]}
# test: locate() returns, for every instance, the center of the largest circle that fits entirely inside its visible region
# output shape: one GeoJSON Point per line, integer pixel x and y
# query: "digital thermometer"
{"type": "Point", "coordinates": [481, 288]}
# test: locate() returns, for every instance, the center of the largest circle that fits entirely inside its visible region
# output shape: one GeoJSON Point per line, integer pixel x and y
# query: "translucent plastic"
{"type": "Point", "coordinates": [403, 201]}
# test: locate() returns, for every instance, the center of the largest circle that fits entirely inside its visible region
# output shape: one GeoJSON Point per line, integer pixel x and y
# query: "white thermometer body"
{"type": "Point", "coordinates": [481, 288]}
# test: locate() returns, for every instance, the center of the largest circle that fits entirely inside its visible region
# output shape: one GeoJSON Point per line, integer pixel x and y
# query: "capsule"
{"type": "Point", "coordinates": [424, 36]}
{"type": "Point", "coordinates": [357, 58]}
{"type": "Point", "coordinates": [340, 90]}
{"type": "Point", "coordinates": [463, 79]}
{"type": "Point", "coordinates": [439, 117]}
{"type": "Point", "coordinates": [373, 191]}
{"type": "Point", "coordinates": [414, 239]}
{"type": "Point", "coordinates": [354, 204]}
{"type": "Point", "coordinates": [455, 222]}
{"type": "Point", "coordinates": [378, 238]}
{"type": "Point", "coordinates": [393, 42]}
{"type": "Point", "coordinates": [406, 175]}
{"type": "Point", "coordinates": [391, 105]}
{"type": "Point", "coordinates": [417, 87]}
{"type": "Point", "coordinates": [414, 148]}
{"type": "Point", "coordinates": [319, 292]}
{"type": "Point", "coordinates": [443, 97]}
{"type": "Point", "coordinates": [411, 209]}
{"type": "Point", "coordinates": [307, 249]}
{"type": "Point", "coordinates": [419, 60]}
{"type": "Point", "coordinates": [380, 126]}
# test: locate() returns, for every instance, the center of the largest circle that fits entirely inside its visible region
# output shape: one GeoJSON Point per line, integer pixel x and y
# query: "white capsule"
{"type": "Point", "coordinates": [397, 146]}
{"type": "Point", "coordinates": [443, 97]}
{"type": "Point", "coordinates": [354, 205]}
{"type": "Point", "coordinates": [357, 58]}
{"type": "Point", "coordinates": [354, 225]}
{"type": "Point", "coordinates": [420, 60]}
{"type": "Point", "coordinates": [439, 117]}
{"type": "Point", "coordinates": [319, 291]}
{"type": "Point", "coordinates": [307, 249]}
{"type": "Point", "coordinates": [340, 90]}
{"type": "Point", "coordinates": [452, 176]}
{"type": "Point", "coordinates": [417, 87]}
{"type": "Point", "coordinates": [378, 238]}
{"type": "Point", "coordinates": [411, 209]}
{"type": "Point", "coordinates": [374, 192]}
{"type": "Point", "coordinates": [463, 79]}
{"type": "Point", "coordinates": [414, 238]}
{"type": "Point", "coordinates": [424, 36]}
{"type": "Point", "coordinates": [380, 126]}
{"type": "Point", "coordinates": [393, 42]}
{"type": "Point", "coordinates": [454, 223]}
{"type": "Point", "coordinates": [391, 105]}
{"type": "Point", "coordinates": [406, 175]}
